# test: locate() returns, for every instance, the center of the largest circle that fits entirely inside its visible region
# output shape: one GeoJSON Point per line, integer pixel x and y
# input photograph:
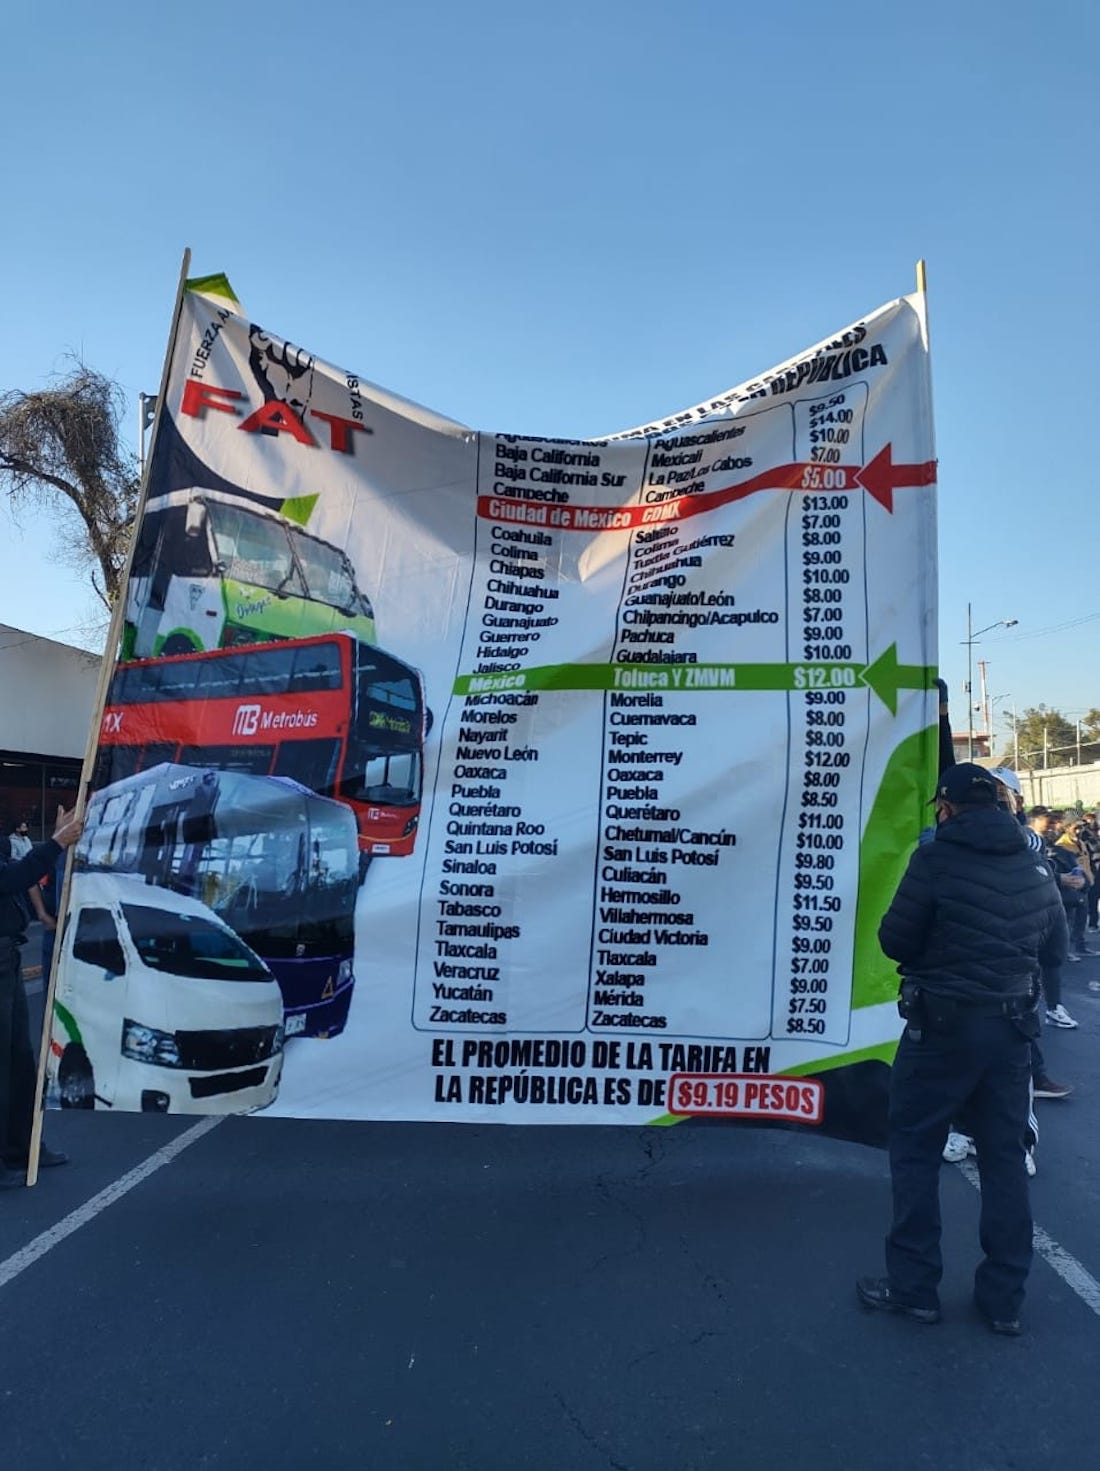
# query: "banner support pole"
{"type": "Point", "coordinates": [110, 652]}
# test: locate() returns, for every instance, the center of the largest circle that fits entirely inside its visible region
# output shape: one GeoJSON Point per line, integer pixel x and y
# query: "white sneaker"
{"type": "Point", "coordinates": [1058, 1016]}
{"type": "Point", "coordinates": [957, 1148]}
{"type": "Point", "coordinates": [1029, 1161]}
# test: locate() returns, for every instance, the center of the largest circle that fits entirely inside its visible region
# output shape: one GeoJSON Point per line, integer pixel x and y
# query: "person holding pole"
{"type": "Point", "coordinates": [18, 1067]}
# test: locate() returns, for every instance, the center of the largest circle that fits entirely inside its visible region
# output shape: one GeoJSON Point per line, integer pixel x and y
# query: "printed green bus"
{"type": "Point", "coordinates": [213, 571]}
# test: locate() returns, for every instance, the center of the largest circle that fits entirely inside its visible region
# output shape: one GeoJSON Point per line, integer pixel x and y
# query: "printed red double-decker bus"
{"type": "Point", "coordinates": [339, 716]}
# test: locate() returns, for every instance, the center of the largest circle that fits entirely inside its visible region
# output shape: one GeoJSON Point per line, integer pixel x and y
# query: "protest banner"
{"type": "Point", "coordinates": [465, 776]}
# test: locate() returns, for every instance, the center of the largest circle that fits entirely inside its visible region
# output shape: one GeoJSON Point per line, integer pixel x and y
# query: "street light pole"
{"type": "Point", "coordinates": [971, 640]}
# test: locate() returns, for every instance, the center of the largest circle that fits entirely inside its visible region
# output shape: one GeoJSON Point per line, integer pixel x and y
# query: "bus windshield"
{"type": "Point", "coordinates": [384, 763]}
{"type": "Point", "coordinates": [328, 575]}
{"type": "Point", "coordinates": [285, 887]}
{"type": "Point", "coordinates": [254, 550]}
{"type": "Point", "coordinates": [188, 945]}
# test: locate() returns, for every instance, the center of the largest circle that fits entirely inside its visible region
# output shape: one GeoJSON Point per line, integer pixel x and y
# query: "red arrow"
{"type": "Point", "coordinates": [879, 479]}
{"type": "Point", "coordinates": [882, 477]}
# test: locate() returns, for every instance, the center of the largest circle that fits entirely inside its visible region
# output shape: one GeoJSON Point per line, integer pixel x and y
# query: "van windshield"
{"type": "Point", "coordinates": [188, 945]}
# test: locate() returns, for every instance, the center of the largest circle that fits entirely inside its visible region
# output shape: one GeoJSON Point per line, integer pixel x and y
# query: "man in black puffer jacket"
{"type": "Point", "coordinates": [973, 919]}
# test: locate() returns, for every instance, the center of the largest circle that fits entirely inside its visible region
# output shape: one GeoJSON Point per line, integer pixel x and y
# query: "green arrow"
{"type": "Point", "coordinates": [886, 676]}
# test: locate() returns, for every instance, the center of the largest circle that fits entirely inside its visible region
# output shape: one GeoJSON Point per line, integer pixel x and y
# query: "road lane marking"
{"type": "Point", "coordinates": [1072, 1273]}
{"type": "Point", "coordinates": [27, 1255]}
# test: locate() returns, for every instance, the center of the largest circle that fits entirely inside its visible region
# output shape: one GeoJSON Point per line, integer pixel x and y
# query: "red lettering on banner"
{"type": "Point", "coordinates": [280, 417]}
{"type": "Point", "coordinates": [199, 396]}
{"type": "Point", "coordinates": [340, 431]}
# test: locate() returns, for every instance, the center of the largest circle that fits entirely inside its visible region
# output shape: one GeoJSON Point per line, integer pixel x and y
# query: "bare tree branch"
{"type": "Point", "coordinates": [60, 450]}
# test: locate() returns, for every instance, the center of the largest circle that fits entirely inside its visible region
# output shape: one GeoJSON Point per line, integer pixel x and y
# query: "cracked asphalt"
{"type": "Point", "coordinates": [295, 1294]}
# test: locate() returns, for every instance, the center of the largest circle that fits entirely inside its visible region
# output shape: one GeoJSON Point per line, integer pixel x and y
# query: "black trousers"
{"type": "Point", "coordinates": [18, 1067]}
{"type": "Point", "coordinates": [978, 1072]}
{"type": "Point", "coordinates": [1076, 915]}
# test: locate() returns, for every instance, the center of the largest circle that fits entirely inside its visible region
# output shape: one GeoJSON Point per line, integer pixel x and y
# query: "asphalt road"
{"type": "Point", "coordinates": [294, 1295]}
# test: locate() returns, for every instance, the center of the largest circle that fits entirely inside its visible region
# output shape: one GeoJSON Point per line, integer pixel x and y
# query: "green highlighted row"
{"type": "Point", "coordinates": [885, 676]}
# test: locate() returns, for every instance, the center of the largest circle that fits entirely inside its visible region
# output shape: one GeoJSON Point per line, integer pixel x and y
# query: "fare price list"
{"type": "Point", "coordinates": [664, 931]}
{"type": "Point", "coordinates": [827, 628]}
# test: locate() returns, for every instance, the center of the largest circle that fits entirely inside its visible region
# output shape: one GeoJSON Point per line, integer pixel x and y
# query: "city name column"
{"type": "Point", "coordinates": [500, 943]}
{"type": "Point", "coordinates": [694, 747]}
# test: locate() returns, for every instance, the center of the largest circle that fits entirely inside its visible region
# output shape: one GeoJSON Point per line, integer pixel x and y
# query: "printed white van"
{"type": "Point", "coordinates": [160, 1007]}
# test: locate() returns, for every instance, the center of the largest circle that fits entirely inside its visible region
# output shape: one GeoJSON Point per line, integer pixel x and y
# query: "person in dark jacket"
{"type": "Point", "coordinates": [975, 917]}
{"type": "Point", "coordinates": [18, 1066]}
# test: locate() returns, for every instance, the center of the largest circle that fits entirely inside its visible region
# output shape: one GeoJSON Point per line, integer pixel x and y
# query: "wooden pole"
{"type": "Point", "coordinates": [110, 654]}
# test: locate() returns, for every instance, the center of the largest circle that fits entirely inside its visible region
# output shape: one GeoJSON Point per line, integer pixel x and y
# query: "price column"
{"type": "Point", "coordinates": [819, 842]}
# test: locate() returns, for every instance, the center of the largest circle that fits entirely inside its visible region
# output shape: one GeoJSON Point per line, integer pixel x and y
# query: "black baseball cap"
{"type": "Point", "coordinates": [967, 784]}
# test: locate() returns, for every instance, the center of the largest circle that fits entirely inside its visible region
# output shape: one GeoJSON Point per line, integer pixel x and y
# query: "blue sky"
{"type": "Point", "coordinates": [565, 219]}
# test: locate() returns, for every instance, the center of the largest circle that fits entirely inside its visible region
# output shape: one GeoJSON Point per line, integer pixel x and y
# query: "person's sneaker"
{"type": "Point", "coordinates": [9, 1179]}
{"type": "Point", "coordinates": [1010, 1327]}
{"type": "Point", "coordinates": [957, 1148]}
{"type": "Point", "coordinates": [1029, 1161]}
{"type": "Point", "coordinates": [1047, 1088]}
{"type": "Point", "coordinates": [1072, 958]}
{"type": "Point", "coordinates": [874, 1292]}
{"type": "Point", "coordinates": [1094, 985]}
{"type": "Point", "coordinates": [1058, 1016]}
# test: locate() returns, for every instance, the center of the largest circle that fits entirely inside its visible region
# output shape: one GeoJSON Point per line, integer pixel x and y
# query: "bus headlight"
{"type": "Point", "coordinates": [344, 976]}
{"type": "Point", "coordinates": [410, 826]}
{"type": "Point", "coordinates": [146, 1044]}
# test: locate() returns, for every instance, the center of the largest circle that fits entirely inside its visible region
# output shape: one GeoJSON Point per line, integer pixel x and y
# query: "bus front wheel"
{"type": "Point", "coordinates": [177, 643]}
{"type": "Point", "coordinates": [75, 1082]}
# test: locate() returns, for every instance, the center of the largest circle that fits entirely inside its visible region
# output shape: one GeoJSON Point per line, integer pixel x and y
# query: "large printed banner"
{"type": "Point", "coordinates": [468, 776]}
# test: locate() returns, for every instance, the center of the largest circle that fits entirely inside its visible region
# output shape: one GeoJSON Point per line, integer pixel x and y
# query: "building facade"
{"type": "Point", "coordinates": [47, 704]}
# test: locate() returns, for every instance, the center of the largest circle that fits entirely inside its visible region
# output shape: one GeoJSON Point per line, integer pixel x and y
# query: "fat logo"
{"type": "Point", "coordinates": [282, 371]}
{"type": "Point", "coordinates": [194, 593]}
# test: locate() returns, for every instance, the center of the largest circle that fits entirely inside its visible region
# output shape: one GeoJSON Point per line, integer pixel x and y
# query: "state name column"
{"type": "Point", "coordinates": [689, 808]}
{"type": "Point", "coordinates": [501, 945]}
